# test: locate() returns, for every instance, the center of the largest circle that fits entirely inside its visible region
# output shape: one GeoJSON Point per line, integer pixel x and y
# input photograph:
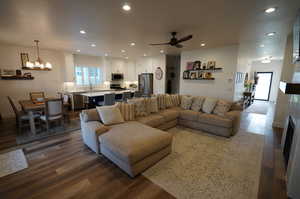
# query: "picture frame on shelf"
{"type": "Point", "coordinates": [203, 67]}
{"type": "Point", "coordinates": [211, 65]}
{"type": "Point", "coordinates": [197, 65]}
{"type": "Point", "coordinates": [189, 65]}
{"type": "Point", "coordinates": [24, 59]}
{"type": "Point", "coordinates": [186, 75]}
{"type": "Point", "coordinates": [193, 75]}
{"type": "Point", "coordinates": [200, 75]}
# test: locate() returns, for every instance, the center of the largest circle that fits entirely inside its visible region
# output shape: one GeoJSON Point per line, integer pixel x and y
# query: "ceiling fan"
{"type": "Point", "coordinates": [174, 41]}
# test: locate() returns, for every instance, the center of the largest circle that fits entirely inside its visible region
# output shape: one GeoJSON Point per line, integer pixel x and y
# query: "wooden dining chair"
{"type": "Point", "coordinates": [37, 96]}
{"type": "Point", "coordinates": [67, 105]}
{"type": "Point", "coordinates": [54, 111]}
{"type": "Point", "coordinates": [22, 119]}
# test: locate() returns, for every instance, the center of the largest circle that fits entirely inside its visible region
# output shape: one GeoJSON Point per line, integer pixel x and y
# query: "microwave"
{"type": "Point", "coordinates": [117, 76]}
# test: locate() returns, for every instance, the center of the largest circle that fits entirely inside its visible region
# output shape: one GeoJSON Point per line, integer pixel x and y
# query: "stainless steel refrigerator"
{"type": "Point", "coordinates": [146, 84]}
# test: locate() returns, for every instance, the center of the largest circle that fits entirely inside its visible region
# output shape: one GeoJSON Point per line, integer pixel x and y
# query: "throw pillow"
{"type": "Point", "coordinates": [209, 104]}
{"type": "Point", "coordinates": [139, 106]}
{"type": "Point", "coordinates": [161, 101]}
{"type": "Point", "coordinates": [153, 105]}
{"type": "Point", "coordinates": [175, 99]}
{"type": "Point", "coordinates": [222, 107]}
{"type": "Point", "coordinates": [90, 115]}
{"type": "Point", "coordinates": [102, 129]}
{"type": "Point", "coordinates": [169, 102]}
{"type": "Point", "coordinates": [186, 102]}
{"type": "Point", "coordinates": [110, 115]}
{"type": "Point", "coordinates": [197, 103]}
{"type": "Point", "coordinates": [127, 111]}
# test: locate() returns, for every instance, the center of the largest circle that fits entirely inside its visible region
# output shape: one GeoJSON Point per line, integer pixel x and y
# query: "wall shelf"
{"type": "Point", "coordinates": [206, 70]}
{"type": "Point", "coordinates": [15, 78]}
{"type": "Point", "coordinates": [199, 79]}
{"type": "Point", "coordinates": [37, 69]}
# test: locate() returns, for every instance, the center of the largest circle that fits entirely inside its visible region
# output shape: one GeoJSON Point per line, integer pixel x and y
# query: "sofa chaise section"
{"type": "Point", "coordinates": [134, 147]}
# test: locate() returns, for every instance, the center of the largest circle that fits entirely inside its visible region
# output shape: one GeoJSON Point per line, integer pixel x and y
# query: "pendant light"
{"type": "Point", "coordinates": [38, 64]}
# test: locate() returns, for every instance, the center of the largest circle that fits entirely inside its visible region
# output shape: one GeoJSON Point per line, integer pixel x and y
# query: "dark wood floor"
{"type": "Point", "coordinates": [62, 167]}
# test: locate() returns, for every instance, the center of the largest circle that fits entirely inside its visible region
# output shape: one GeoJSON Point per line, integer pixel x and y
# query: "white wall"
{"type": "Point", "coordinates": [275, 66]}
{"type": "Point", "coordinates": [48, 81]}
{"type": "Point", "coordinates": [149, 65]}
{"type": "Point", "coordinates": [282, 101]}
{"type": "Point", "coordinates": [243, 65]}
{"type": "Point", "coordinates": [223, 85]}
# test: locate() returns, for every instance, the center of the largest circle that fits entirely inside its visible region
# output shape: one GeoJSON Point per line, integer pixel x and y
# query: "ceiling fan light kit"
{"type": "Point", "coordinates": [174, 41]}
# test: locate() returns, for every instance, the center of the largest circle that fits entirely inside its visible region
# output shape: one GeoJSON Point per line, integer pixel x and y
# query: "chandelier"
{"type": "Point", "coordinates": [38, 64]}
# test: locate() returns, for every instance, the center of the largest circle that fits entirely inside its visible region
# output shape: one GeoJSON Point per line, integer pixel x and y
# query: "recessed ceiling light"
{"type": "Point", "coordinates": [203, 44]}
{"type": "Point", "coordinates": [262, 45]}
{"type": "Point", "coordinates": [161, 51]}
{"type": "Point", "coordinates": [105, 54]}
{"type": "Point", "coordinates": [270, 10]}
{"type": "Point", "coordinates": [123, 51]}
{"type": "Point", "coordinates": [126, 57]}
{"type": "Point", "coordinates": [93, 45]}
{"type": "Point", "coordinates": [126, 7]}
{"type": "Point", "coordinates": [78, 50]}
{"type": "Point", "coordinates": [145, 54]}
{"type": "Point", "coordinates": [132, 44]}
{"type": "Point", "coordinates": [82, 31]}
{"type": "Point", "coordinates": [270, 34]}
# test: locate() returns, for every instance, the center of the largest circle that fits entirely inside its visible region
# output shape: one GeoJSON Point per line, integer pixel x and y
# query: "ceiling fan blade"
{"type": "Point", "coordinates": [179, 45]}
{"type": "Point", "coordinates": [185, 38]}
{"type": "Point", "coordinates": [159, 44]}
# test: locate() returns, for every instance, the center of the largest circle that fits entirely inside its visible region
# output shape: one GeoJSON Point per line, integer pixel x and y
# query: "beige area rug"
{"type": "Point", "coordinates": [12, 162]}
{"type": "Point", "coordinates": [210, 167]}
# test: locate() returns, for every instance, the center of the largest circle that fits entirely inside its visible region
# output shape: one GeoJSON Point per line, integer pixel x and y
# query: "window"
{"type": "Point", "coordinates": [88, 75]}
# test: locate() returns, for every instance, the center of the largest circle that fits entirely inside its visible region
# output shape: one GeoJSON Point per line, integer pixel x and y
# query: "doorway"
{"type": "Point", "coordinates": [263, 87]}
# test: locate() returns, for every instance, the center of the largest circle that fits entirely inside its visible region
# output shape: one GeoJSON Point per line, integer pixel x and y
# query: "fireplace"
{"type": "Point", "coordinates": [288, 140]}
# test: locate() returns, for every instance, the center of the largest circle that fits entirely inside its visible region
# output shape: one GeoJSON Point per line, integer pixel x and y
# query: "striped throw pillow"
{"type": "Point", "coordinates": [127, 111]}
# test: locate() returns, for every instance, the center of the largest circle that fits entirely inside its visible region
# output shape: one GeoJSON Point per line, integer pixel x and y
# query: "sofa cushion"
{"type": "Point", "coordinates": [110, 115]}
{"type": "Point", "coordinates": [186, 102]}
{"type": "Point", "coordinates": [132, 141]}
{"type": "Point", "coordinates": [189, 115]}
{"type": "Point", "coordinates": [139, 106]}
{"type": "Point", "coordinates": [222, 107]}
{"type": "Point", "coordinates": [169, 114]}
{"type": "Point", "coordinates": [197, 103]}
{"type": "Point", "coordinates": [152, 120]}
{"type": "Point", "coordinates": [215, 120]}
{"type": "Point", "coordinates": [90, 115]}
{"type": "Point", "coordinates": [127, 111]}
{"type": "Point", "coordinates": [209, 104]}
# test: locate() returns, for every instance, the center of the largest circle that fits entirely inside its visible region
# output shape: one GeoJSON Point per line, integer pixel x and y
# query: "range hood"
{"type": "Point", "coordinates": [290, 88]}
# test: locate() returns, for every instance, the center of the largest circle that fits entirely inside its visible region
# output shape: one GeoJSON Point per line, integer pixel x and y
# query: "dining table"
{"type": "Point", "coordinates": [29, 107]}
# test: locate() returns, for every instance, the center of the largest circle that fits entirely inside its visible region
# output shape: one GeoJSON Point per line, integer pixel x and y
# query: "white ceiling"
{"type": "Point", "coordinates": [56, 23]}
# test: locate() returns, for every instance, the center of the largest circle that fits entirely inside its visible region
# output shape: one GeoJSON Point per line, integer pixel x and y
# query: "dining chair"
{"type": "Point", "coordinates": [137, 94]}
{"type": "Point", "coordinates": [54, 111]}
{"type": "Point", "coordinates": [37, 96]}
{"type": "Point", "coordinates": [22, 119]}
{"type": "Point", "coordinates": [109, 99]}
{"type": "Point", "coordinates": [67, 105]}
{"type": "Point", "coordinates": [126, 96]}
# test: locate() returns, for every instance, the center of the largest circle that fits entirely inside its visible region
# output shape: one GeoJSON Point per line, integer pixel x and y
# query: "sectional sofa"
{"type": "Point", "coordinates": [140, 141]}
